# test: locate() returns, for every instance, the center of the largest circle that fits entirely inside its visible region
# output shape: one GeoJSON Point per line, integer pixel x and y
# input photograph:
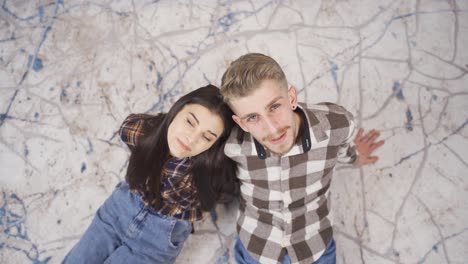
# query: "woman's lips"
{"type": "Point", "coordinates": [182, 145]}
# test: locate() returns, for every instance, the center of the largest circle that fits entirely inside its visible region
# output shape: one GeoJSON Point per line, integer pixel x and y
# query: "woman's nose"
{"type": "Point", "coordinates": [191, 138]}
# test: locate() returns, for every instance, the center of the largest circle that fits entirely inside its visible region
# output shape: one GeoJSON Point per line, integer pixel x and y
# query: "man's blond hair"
{"type": "Point", "coordinates": [245, 75]}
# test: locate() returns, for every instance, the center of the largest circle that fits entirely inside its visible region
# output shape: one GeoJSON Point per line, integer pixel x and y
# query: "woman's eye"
{"type": "Point", "coordinates": [190, 122]}
{"type": "Point", "coordinates": [208, 139]}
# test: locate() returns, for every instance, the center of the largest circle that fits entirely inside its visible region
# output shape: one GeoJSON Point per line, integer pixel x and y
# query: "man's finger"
{"type": "Point", "coordinates": [365, 138]}
{"type": "Point", "coordinates": [359, 133]}
{"type": "Point", "coordinates": [368, 137]}
{"type": "Point", "coordinates": [376, 145]}
{"type": "Point", "coordinates": [374, 136]}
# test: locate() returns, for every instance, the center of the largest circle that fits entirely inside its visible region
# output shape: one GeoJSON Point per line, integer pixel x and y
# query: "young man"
{"type": "Point", "coordinates": [286, 152]}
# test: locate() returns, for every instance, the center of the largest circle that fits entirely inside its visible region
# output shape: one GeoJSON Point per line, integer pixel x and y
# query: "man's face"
{"type": "Point", "coordinates": [268, 116]}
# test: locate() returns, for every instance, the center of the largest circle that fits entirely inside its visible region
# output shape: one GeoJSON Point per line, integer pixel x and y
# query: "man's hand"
{"type": "Point", "coordinates": [365, 145]}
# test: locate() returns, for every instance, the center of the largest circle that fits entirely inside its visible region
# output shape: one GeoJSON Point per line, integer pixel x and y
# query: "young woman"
{"type": "Point", "coordinates": [177, 169]}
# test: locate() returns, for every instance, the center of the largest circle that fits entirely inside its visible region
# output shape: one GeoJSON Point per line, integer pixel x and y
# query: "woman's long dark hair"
{"type": "Point", "coordinates": [214, 174]}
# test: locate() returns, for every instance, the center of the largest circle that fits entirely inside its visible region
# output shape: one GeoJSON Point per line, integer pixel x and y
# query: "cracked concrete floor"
{"type": "Point", "coordinates": [71, 71]}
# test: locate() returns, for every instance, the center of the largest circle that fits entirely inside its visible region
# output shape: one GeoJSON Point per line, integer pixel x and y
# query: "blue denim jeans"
{"type": "Point", "coordinates": [242, 256]}
{"type": "Point", "coordinates": [125, 231]}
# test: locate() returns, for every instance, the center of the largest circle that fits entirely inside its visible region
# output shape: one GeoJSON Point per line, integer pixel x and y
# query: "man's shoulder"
{"type": "Point", "coordinates": [236, 136]}
{"type": "Point", "coordinates": [325, 108]}
{"type": "Point", "coordinates": [239, 143]}
{"type": "Point", "coordinates": [325, 117]}
{"type": "Point", "coordinates": [326, 111]}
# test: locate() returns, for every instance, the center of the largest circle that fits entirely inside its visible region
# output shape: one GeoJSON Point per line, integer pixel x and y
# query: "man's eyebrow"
{"type": "Point", "coordinates": [194, 117]}
{"type": "Point", "coordinates": [268, 106]}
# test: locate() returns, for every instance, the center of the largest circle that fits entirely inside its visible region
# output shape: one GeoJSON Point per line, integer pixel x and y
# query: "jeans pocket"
{"type": "Point", "coordinates": [136, 225]}
{"type": "Point", "coordinates": [180, 230]}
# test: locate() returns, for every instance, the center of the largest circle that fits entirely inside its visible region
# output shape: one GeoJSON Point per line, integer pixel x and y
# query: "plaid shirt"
{"type": "Point", "coordinates": [284, 199]}
{"type": "Point", "coordinates": [178, 191]}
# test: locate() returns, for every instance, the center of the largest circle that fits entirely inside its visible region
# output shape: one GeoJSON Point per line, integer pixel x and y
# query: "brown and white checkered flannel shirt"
{"type": "Point", "coordinates": [284, 199]}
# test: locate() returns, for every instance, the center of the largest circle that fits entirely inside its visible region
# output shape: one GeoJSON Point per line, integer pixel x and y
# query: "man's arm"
{"type": "Point", "coordinates": [358, 151]}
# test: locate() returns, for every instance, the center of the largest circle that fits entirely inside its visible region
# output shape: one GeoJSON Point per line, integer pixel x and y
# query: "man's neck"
{"type": "Point", "coordinates": [299, 124]}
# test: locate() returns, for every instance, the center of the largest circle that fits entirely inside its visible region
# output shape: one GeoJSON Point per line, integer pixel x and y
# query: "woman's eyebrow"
{"type": "Point", "coordinates": [198, 122]}
{"type": "Point", "coordinates": [194, 117]}
{"type": "Point", "coordinates": [212, 133]}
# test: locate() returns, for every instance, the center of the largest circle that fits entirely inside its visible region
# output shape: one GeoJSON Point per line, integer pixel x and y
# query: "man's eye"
{"type": "Point", "coordinates": [275, 106]}
{"type": "Point", "coordinates": [252, 118]}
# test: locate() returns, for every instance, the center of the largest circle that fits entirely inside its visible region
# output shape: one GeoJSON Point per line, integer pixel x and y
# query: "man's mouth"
{"type": "Point", "coordinates": [278, 140]}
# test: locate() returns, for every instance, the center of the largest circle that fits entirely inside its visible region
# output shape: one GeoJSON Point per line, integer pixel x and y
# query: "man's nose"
{"type": "Point", "coordinates": [271, 124]}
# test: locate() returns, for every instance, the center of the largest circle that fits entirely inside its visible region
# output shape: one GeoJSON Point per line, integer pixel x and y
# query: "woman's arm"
{"type": "Point", "coordinates": [135, 127]}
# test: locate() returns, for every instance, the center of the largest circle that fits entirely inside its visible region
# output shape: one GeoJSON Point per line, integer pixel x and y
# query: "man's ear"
{"type": "Point", "coordinates": [239, 123]}
{"type": "Point", "coordinates": [292, 94]}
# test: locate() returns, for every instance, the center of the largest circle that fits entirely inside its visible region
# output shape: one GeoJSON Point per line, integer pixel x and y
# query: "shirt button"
{"type": "Point", "coordinates": [284, 242]}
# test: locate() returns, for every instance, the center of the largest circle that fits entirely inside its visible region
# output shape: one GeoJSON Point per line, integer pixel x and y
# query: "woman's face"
{"type": "Point", "coordinates": [193, 130]}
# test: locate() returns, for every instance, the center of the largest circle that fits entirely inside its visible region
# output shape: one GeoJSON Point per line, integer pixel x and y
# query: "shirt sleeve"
{"type": "Point", "coordinates": [134, 127]}
{"type": "Point", "coordinates": [347, 151]}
